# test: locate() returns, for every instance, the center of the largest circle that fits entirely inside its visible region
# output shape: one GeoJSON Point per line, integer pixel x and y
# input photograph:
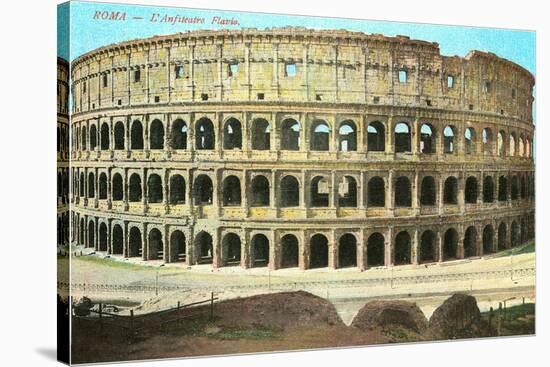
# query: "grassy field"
{"type": "Point", "coordinates": [523, 249]}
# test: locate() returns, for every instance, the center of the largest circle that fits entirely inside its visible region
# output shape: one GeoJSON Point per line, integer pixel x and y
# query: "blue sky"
{"type": "Point", "coordinates": [88, 34]}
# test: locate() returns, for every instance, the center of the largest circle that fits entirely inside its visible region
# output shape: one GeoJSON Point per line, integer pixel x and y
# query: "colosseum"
{"type": "Point", "coordinates": [292, 147]}
{"type": "Point", "coordinates": [62, 152]}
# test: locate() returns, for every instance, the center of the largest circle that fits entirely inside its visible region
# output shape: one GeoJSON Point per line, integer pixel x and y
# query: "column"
{"type": "Point", "coordinates": [332, 251]}
{"type": "Point", "coordinates": [388, 251]}
{"type": "Point", "coordinates": [389, 194]}
{"type": "Point", "coordinates": [144, 243]}
{"type": "Point", "coordinates": [415, 248]}
{"type": "Point", "coordinates": [439, 246]}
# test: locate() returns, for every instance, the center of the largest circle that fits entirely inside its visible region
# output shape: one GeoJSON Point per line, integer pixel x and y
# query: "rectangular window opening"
{"type": "Point", "coordinates": [105, 81]}
{"type": "Point", "coordinates": [157, 99]}
{"type": "Point", "coordinates": [137, 75]}
{"type": "Point", "coordinates": [375, 99]}
{"type": "Point", "coordinates": [204, 96]}
{"type": "Point", "coordinates": [233, 69]}
{"type": "Point", "coordinates": [428, 102]}
{"type": "Point", "coordinates": [179, 71]}
{"type": "Point", "coordinates": [402, 76]}
{"type": "Point", "coordinates": [487, 87]}
{"type": "Point", "coordinates": [513, 93]}
{"type": "Point", "coordinates": [290, 69]}
{"type": "Point", "coordinates": [450, 81]}
{"type": "Point", "coordinates": [260, 96]}
{"type": "Point", "coordinates": [318, 97]}
{"type": "Point", "coordinates": [471, 107]}
{"type": "Point", "coordinates": [120, 102]}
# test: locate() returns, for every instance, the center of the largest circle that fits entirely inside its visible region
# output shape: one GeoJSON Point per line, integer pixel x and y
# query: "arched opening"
{"type": "Point", "coordinates": [82, 232]}
{"type": "Point", "coordinates": [320, 136]}
{"type": "Point", "coordinates": [104, 141]}
{"type": "Point", "coordinates": [290, 247]}
{"type": "Point", "coordinates": [402, 138]}
{"type": "Point", "coordinates": [103, 237]}
{"type": "Point", "coordinates": [91, 185]}
{"type": "Point", "coordinates": [204, 134]}
{"type": "Point", "coordinates": [347, 137]}
{"type": "Point", "coordinates": [83, 138]}
{"type": "Point", "coordinates": [134, 242]}
{"type": "Point", "coordinates": [402, 248]}
{"type": "Point", "coordinates": [231, 191]}
{"type": "Point", "coordinates": [156, 135]}
{"type": "Point", "coordinates": [177, 246]}
{"type": "Point", "coordinates": [469, 141]}
{"type": "Point", "coordinates": [450, 191]}
{"type": "Point", "coordinates": [260, 191]}
{"type": "Point", "coordinates": [427, 191]}
{"type": "Point", "coordinates": [470, 191]}
{"type": "Point", "coordinates": [376, 192]}
{"type": "Point", "coordinates": [179, 135]}
{"type": "Point", "coordinates": [231, 245]}
{"type": "Point", "coordinates": [488, 234]}
{"type": "Point", "coordinates": [203, 190]}
{"type": "Point", "coordinates": [523, 188]}
{"type": "Point", "coordinates": [117, 240]}
{"type": "Point", "coordinates": [524, 235]}
{"type": "Point", "coordinates": [82, 185]}
{"type": "Point", "coordinates": [488, 189]}
{"type": "Point", "coordinates": [119, 135]}
{"type": "Point", "coordinates": [427, 139]}
{"type": "Point", "coordinates": [515, 239]}
{"type": "Point", "coordinates": [470, 242]}
{"type": "Point", "coordinates": [376, 137]}
{"type": "Point", "coordinates": [318, 251]}
{"type": "Point", "coordinates": [154, 185]}
{"type": "Point", "coordinates": [203, 243]}
{"type": "Point", "coordinates": [450, 245]}
{"type": "Point", "coordinates": [102, 186]}
{"type": "Point", "coordinates": [290, 135]}
{"type": "Point", "coordinates": [502, 188]}
{"type": "Point", "coordinates": [427, 247]}
{"type": "Point", "coordinates": [232, 134]}
{"type": "Point", "coordinates": [502, 236]}
{"type": "Point", "coordinates": [521, 147]}
{"type": "Point", "coordinates": [261, 135]}
{"type": "Point", "coordinates": [136, 135]}
{"type": "Point", "coordinates": [156, 245]}
{"type": "Point", "coordinates": [402, 192]}
{"type": "Point", "coordinates": [177, 190]}
{"type": "Point", "coordinates": [449, 139]}
{"type": "Point", "coordinates": [500, 143]}
{"type": "Point", "coordinates": [260, 250]}
{"type": "Point", "coordinates": [91, 234]}
{"type": "Point", "coordinates": [290, 192]}
{"type": "Point", "coordinates": [512, 148]}
{"type": "Point", "coordinates": [514, 193]}
{"type": "Point", "coordinates": [93, 137]}
{"type": "Point", "coordinates": [347, 192]}
{"type": "Point", "coordinates": [118, 191]}
{"type": "Point", "coordinates": [135, 192]}
{"type": "Point", "coordinates": [375, 250]}
{"type": "Point", "coordinates": [487, 137]}
{"type": "Point", "coordinates": [319, 192]}
{"type": "Point", "coordinates": [347, 251]}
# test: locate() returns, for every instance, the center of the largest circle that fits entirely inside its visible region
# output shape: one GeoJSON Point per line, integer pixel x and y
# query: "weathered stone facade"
{"type": "Point", "coordinates": [62, 152]}
{"type": "Point", "coordinates": [295, 147]}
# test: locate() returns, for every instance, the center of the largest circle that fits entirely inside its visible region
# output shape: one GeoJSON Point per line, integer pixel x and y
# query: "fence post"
{"type": "Point", "coordinates": [100, 317]}
{"type": "Point", "coordinates": [178, 305]}
{"type": "Point", "coordinates": [211, 305]}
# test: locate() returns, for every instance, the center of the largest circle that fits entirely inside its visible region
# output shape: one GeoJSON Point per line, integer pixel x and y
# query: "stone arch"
{"type": "Point", "coordinates": [521, 146]}
{"type": "Point", "coordinates": [319, 192]}
{"type": "Point", "coordinates": [290, 251]}
{"type": "Point", "coordinates": [260, 250]}
{"type": "Point", "coordinates": [260, 191]}
{"type": "Point", "coordinates": [177, 189]}
{"type": "Point", "coordinates": [428, 249]}
{"type": "Point", "coordinates": [488, 235]}
{"type": "Point", "coordinates": [402, 192]}
{"type": "Point", "coordinates": [402, 137]}
{"type": "Point", "coordinates": [156, 135]}
{"type": "Point", "coordinates": [347, 136]}
{"type": "Point", "coordinates": [82, 185]}
{"type": "Point", "coordinates": [376, 137]}
{"type": "Point", "coordinates": [502, 188]}
{"type": "Point", "coordinates": [318, 251]}
{"type": "Point", "coordinates": [204, 247]}
{"type": "Point", "coordinates": [135, 246]}
{"type": "Point", "coordinates": [515, 234]}
{"type": "Point", "coordinates": [469, 140]}
{"type": "Point", "coordinates": [450, 191]}
{"type": "Point", "coordinates": [320, 136]}
{"type": "Point", "coordinates": [134, 188]}
{"type": "Point", "coordinates": [83, 138]}
{"type": "Point", "coordinates": [290, 134]}
{"type": "Point", "coordinates": [427, 139]}
{"type": "Point", "coordinates": [232, 134]}
{"type": "Point", "coordinates": [154, 189]}
{"type": "Point", "coordinates": [427, 191]}
{"type": "Point", "coordinates": [93, 137]}
{"type": "Point", "coordinates": [104, 135]}
{"type": "Point", "coordinates": [119, 135]}
{"type": "Point", "coordinates": [261, 134]}
{"type": "Point", "coordinates": [178, 246]}
{"type": "Point", "coordinates": [523, 187]}
{"type": "Point", "coordinates": [376, 192]}
{"type": "Point", "coordinates": [402, 248]}
{"type": "Point", "coordinates": [205, 136]}
{"type": "Point", "coordinates": [82, 232]}
{"type": "Point", "coordinates": [203, 190]}
{"type": "Point", "coordinates": [375, 249]}
{"type": "Point", "coordinates": [178, 139]}
{"type": "Point", "coordinates": [488, 189]}
{"type": "Point", "coordinates": [91, 185]}
{"type": "Point", "coordinates": [471, 190]}
{"type": "Point", "coordinates": [231, 192]}
{"type": "Point", "coordinates": [117, 240]}
{"type": "Point", "coordinates": [470, 242]}
{"type": "Point", "coordinates": [450, 244]}
{"type": "Point", "coordinates": [514, 190]}
{"type": "Point", "coordinates": [117, 188]}
{"type": "Point", "coordinates": [500, 143]}
{"type": "Point", "coordinates": [502, 236]}
{"type": "Point", "coordinates": [512, 144]}
{"type": "Point", "coordinates": [487, 139]}
{"type": "Point", "coordinates": [231, 249]}
{"type": "Point", "coordinates": [290, 192]}
{"type": "Point", "coordinates": [91, 234]}
{"type": "Point", "coordinates": [347, 251]}
{"type": "Point", "coordinates": [136, 135]}
{"type": "Point", "coordinates": [347, 192]}
{"type": "Point", "coordinates": [103, 239]}
{"type": "Point", "coordinates": [156, 245]}
{"type": "Point", "coordinates": [449, 141]}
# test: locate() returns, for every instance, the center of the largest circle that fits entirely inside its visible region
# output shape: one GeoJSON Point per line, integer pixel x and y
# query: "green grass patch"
{"type": "Point", "coordinates": [523, 249]}
{"type": "Point", "coordinates": [246, 333]}
{"type": "Point", "coordinates": [111, 263]}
